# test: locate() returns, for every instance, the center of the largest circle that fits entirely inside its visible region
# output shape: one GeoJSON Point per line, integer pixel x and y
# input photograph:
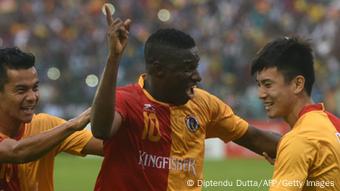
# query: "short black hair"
{"type": "Point", "coordinates": [292, 56]}
{"type": "Point", "coordinates": [13, 58]}
{"type": "Point", "coordinates": [167, 37]}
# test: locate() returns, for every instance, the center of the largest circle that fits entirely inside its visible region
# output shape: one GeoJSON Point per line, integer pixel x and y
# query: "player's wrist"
{"type": "Point", "coordinates": [73, 125]}
{"type": "Point", "coordinates": [113, 58]}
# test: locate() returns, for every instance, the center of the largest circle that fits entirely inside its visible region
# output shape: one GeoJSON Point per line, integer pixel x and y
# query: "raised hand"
{"type": "Point", "coordinates": [103, 120]}
{"type": "Point", "coordinates": [80, 122]}
{"type": "Point", "coordinates": [117, 33]}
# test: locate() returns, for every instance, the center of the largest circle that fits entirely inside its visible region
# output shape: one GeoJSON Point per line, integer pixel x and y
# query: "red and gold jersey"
{"type": "Point", "coordinates": [38, 175]}
{"type": "Point", "coordinates": [9, 180]}
{"type": "Point", "coordinates": [309, 155]}
{"type": "Point", "coordinates": [160, 146]}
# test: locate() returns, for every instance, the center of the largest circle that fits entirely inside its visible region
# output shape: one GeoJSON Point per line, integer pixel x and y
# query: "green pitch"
{"type": "Point", "coordinates": [79, 174]}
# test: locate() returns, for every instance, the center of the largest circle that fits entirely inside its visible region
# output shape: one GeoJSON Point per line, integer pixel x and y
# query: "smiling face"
{"type": "Point", "coordinates": [20, 95]}
{"type": "Point", "coordinates": [180, 75]}
{"type": "Point", "coordinates": [277, 95]}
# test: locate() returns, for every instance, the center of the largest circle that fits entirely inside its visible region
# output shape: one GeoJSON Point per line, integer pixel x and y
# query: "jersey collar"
{"type": "Point", "coordinates": [18, 136]}
{"type": "Point", "coordinates": [149, 96]}
{"type": "Point", "coordinates": [312, 107]}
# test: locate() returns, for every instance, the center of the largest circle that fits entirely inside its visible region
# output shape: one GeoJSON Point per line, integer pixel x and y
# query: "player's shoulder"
{"type": "Point", "coordinates": [130, 88]}
{"type": "Point", "coordinates": [313, 117]}
{"type": "Point", "coordinates": [46, 120]}
{"type": "Point", "coordinates": [201, 94]}
{"type": "Point", "coordinates": [293, 137]}
{"type": "Point", "coordinates": [315, 123]}
{"type": "Point", "coordinates": [304, 135]}
{"type": "Point", "coordinates": [295, 141]}
{"type": "Point", "coordinates": [43, 116]}
{"type": "Point", "coordinates": [128, 91]}
{"type": "Point", "coordinates": [208, 103]}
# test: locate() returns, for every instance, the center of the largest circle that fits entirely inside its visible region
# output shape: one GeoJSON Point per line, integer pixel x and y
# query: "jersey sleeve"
{"type": "Point", "coordinates": [73, 144]}
{"type": "Point", "coordinates": [76, 142]}
{"type": "Point", "coordinates": [224, 123]}
{"type": "Point", "coordinates": [121, 104]}
{"type": "Point", "coordinates": [294, 158]}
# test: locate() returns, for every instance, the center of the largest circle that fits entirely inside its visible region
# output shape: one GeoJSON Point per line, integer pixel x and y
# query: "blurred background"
{"type": "Point", "coordinates": [68, 39]}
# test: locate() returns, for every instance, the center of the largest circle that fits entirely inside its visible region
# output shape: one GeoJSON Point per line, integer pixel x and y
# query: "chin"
{"type": "Point", "coordinates": [272, 115]}
{"type": "Point", "coordinates": [181, 102]}
{"type": "Point", "coordinates": [26, 119]}
{"type": "Point", "coordinates": [186, 99]}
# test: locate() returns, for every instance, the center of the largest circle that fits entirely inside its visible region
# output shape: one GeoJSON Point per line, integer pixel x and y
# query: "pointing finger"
{"type": "Point", "coordinates": [127, 24]}
{"type": "Point", "coordinates": [109, 19]}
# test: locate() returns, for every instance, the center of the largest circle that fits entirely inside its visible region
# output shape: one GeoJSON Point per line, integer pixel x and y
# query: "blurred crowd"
{"type": "Point", "coordinates": [70, 36]}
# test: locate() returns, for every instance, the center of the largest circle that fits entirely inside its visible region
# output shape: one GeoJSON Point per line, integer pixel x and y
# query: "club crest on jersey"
{"type": "Point", "coordinates": [149, 107]}
{"type": "Point", "coordinates": [338, 136]}
{"type": "Point", "coordinates": [192, 123]}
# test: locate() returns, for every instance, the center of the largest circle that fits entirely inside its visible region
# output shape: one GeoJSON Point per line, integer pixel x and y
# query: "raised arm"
{"type": "Point", "coordinates": [104, 120]}
{"type": "Point", "coordinates": [34, 147]}
{"type": "Point", "coordinates": [260, 141]}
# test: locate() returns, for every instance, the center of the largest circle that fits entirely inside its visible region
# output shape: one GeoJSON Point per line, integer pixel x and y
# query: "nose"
{"type": "Point", "coordinates": [196, 76]}
{"type": "Point", "coordinates": [32, 96]}
{"type": "Point", "coordinates": [261, 93]}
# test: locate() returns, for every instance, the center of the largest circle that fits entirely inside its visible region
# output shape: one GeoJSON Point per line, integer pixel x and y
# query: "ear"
{"type": "Point", "coordinates": [298, 84]}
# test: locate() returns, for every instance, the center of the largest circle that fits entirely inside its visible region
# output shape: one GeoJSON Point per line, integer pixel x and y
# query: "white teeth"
{"type": "Point", "coordinates": [27, 110]}
{"type": "Point", "coordinates": [267, 105]}
{"type": "Point", "coordinates": [190, 92]}
{"type": "Point", "coordinates": [27, 107]}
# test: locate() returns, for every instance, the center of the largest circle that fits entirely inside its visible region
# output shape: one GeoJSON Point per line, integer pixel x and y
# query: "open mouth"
{"type": "Point", "coordinates": [27, 110]}
{"type": "Point", "coordinates": [190, 92]}
{"type": "Point", "coordinates": [268, 105]}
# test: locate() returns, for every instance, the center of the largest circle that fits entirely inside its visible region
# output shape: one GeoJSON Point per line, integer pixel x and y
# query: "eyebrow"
{"type": "Point", "coordinates": [25, 85]}
{"type": "Point", "coordinates": [264, 80]}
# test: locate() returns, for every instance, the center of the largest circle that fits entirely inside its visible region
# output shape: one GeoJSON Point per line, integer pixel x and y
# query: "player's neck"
{"type": "Point", "coordinates": [155, 91]}
{"type": "Point", "coordinates": [296, 109]}
{"type": "Point", "coordinates": [9, 126]}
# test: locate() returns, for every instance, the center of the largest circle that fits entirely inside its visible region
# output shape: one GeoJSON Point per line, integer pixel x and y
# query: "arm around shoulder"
{"type": "Point", "coordinates": [260, 141]}
{"type": "Point", "coordinates": [34, 147]}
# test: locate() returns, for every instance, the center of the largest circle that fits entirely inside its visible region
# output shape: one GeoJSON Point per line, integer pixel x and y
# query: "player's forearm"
{"type": "Point", "coordinates": [103, 107]}
{"type": "Point", "coordinates": [275, 139]}
{"type": "Point", "coordinates": [260, 141]}
{"type": "Point", "coordinates": [34, 147]}
{"type": "Point", "coordinates": [267, 142]}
